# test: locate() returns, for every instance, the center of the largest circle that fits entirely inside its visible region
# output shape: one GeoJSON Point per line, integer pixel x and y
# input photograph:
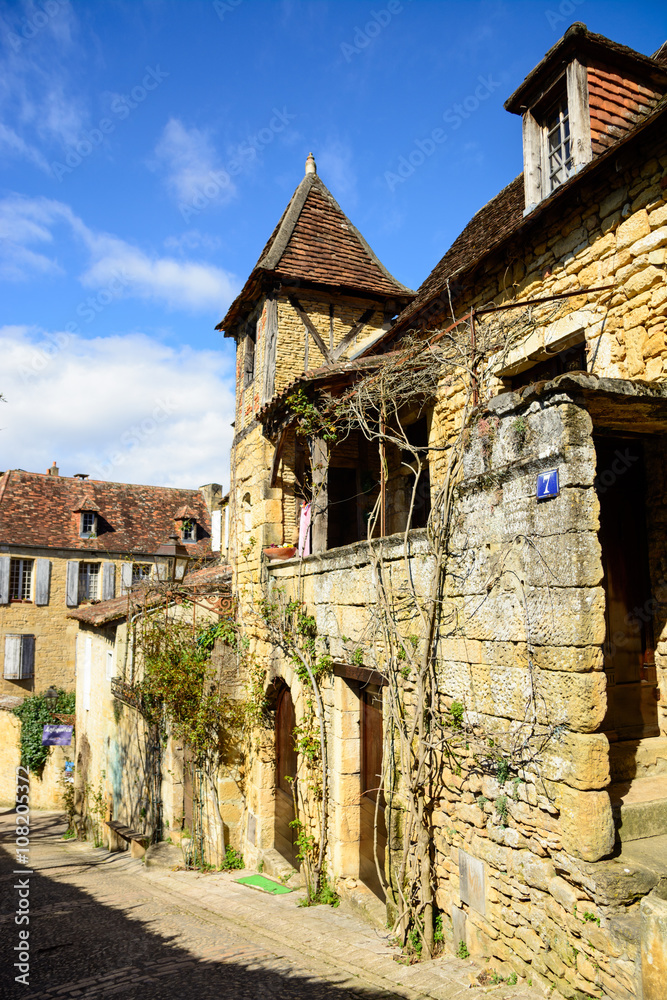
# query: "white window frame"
{"type": "Point", "coordinates": [87, 572]}
{"type": "Point", "coordinates": [140, 573]}
{"type": "Point", "coordinates": [21, 572]}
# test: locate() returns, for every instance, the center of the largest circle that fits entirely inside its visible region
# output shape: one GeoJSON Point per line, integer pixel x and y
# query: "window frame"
{"type": "Point", "coordinates": [189, 531]}
{"type": "Point", "coordinates": [86, 572]}
{"type": "Point", "coordinates": [560, 107]}
{"type": "Point", "coordinates": [88, 532]}
{"type": "Point", "coordinates": [21, 582]}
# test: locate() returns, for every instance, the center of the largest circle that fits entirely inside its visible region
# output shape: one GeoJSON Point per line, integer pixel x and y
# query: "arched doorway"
{"type": "Point", "coordinates": [286, 767]}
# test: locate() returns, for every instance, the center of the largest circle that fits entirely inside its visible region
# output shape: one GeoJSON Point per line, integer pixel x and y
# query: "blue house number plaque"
{"type": "Point", "coordinates": [547, 484]}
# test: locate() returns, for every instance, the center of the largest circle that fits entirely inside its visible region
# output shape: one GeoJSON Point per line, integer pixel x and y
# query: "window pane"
{"type": "Point", "coordinates": [89, 578]}
{"type": "Point", "coordinates": [20, 579]}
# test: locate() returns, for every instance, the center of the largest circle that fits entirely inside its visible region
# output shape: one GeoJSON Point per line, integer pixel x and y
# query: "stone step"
{"type": "Point", "coordinates": [639, 807]}
{"type": "Point", "coordinates": [631, 759]}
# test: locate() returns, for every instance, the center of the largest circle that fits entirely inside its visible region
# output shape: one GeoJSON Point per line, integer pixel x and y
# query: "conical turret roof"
{"type": "Point", "coordinates": [316, 244]}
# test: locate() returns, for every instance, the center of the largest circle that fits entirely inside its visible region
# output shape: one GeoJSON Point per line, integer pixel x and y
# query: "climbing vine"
{"type": "Point", "coordinates": [35, 712]}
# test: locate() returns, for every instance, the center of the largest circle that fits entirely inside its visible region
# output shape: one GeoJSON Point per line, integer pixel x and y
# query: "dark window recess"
{"type": "Point", "coordinates": [417, 435]}
{"type": "Point", "coordinates": [189, 531]}
{"type": "Point", "coordinates": [343, 490]}
{"type": "Point", "coordinates": [573, 359]}
{"type": "Point", "coordinates": [249, 356]}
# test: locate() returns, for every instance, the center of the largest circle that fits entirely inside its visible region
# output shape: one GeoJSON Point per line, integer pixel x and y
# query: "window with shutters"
{"type": "Point", "coordinates": [20, 580]}
{"type": "Point", "coordinates": [89, 581]}
{"type": "Point", "coordinates": [88, 524]}
{"type": "Point", "coordinates": [557, 155]}
{"type": "Point", "coordinates": [19, 657]}
{"type": "Point", "coordinates": [140, 572]}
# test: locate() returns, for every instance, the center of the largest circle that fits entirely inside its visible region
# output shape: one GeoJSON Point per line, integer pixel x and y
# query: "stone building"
{"type": "Point", "coordinates": [545, 853]}
{"type": "Point", "coordinates": [144, 781]}
{"type": "Point", "coordinates": [67, 541]}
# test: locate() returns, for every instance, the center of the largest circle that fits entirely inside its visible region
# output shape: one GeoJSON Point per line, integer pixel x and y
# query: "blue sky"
{"type": "Point", "coordinates": [148, 149]}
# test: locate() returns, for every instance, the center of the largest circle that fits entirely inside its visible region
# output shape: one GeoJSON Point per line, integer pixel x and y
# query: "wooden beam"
{"type": "Point", "coordinates": [349, 337]}
{"type": "Point", "coordinates": [319, 464]}
{"type": "Point", "coordinates": [366, 675]}
{"type": "Point", "coordinates": [307, 322]}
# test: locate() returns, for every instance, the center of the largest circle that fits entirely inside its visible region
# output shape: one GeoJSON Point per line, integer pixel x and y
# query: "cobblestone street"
{"type": "Point", "coordinates": [103, 924]}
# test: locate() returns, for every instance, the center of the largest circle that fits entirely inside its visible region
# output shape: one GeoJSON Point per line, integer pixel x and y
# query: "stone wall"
{"type": "Point", "coordinates": [45, 789]}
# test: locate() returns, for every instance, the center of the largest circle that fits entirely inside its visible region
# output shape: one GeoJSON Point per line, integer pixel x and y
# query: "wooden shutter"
{"type": "Point", "coordinates": [42, 580]}
{"type": "Point", "coordinates": [109, 580]}
{"type": "Point", "coordinates": [216, 530]}
{"type": "Point", "coordinates": [270, 345]}
{"type": "Point", "coordinates": [27, 656]}
{"type": "Point", "coordinates": [87, 671]}
{"type": "Point", "coordinates": [4, 580]}
{"type": "Point", "coordinates": [125, 577]}
{"type": "Point", "coordinates": [12, 671]}
{"type": "Point", "coordinates": [72, 592]}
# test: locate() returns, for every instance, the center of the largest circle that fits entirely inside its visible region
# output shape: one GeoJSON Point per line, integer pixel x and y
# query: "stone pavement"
{"type": "Point", "coordinates": [103, 924]}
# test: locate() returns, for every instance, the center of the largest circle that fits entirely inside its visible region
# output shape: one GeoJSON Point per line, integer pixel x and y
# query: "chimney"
{"type": "Point", "coordinates": [311, 166]}
{"type": "Point", "coordinates": [53, 471]}
{"type": "Point", "coordinates": [80, 475]}
{"type": "Point", "coordinates": [212, 495]}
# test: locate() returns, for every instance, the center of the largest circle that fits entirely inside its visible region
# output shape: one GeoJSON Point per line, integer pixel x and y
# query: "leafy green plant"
{"type": "Point", "coordinates": [502, 809]}
{"type": "Point", "coordinates": [589, 917]}
{"type": "Point", "coordinates": [310, 419]}
{"type": "Point", "coordinates": [358, 657]}
{"type": "Point", "coordinates": [456, 711]}
{"type": "Point", "coordinates": [438, 933]}
{"type": "Point", "coordinates": [37, 711]}
{"type": "Point", "coordinates": [462, 950]}
{"type": "Point", "coordinates": [511, 979]}
{"type": "Point", "coordinates": [481, 801]}
{"type": "Point", "coordinates": [415, 943]}
{"type": "Point", "coordinates": [520, 428]}
{"type": "Point", "coordinates": [232, 860]}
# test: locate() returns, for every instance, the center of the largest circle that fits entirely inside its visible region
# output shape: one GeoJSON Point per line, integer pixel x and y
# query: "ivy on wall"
{"type": "Point", "coordinates": [36, 712]}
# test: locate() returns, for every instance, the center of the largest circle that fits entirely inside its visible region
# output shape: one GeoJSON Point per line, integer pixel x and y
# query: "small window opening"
{"type": "Point", "coordinates": [189, 531]}
{"type": "Point", "coordinates": [573, 359]}
{"type": "Point", "coordinates": [88, 524]}
{"type": "Point", "coordinates": [249, 356]}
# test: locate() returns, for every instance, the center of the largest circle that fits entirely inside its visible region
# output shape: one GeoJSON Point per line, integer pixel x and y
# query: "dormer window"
{"type": "Point", "coordinates": [189, 530]}
{"type": "Point", "coordinates": [559, 163]}
{"type": "Point", "coordinates": [88, 524]}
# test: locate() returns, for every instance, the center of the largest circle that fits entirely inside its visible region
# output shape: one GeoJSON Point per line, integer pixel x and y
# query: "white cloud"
{"type": "Point", "coordinates": [13, 145]}
{"type": "Point", "coordinates": [191, 164]}
{"type": "Point", "coordinates": [124, 408]}
{"type": "Point", "coordinates": [176, 283]}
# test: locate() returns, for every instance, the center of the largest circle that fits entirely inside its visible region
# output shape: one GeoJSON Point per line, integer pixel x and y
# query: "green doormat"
{"type": "Point", "coordinates": [263, 883]}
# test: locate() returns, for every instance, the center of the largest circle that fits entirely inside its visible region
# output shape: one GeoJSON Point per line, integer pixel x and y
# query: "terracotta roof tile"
{"type": "Point", "coordinates": [315, 242]}
{"type": "Point", "coordinates": [41, 510]}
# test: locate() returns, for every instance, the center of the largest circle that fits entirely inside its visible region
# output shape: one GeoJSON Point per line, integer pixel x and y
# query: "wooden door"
{"type": "Point", "coordinates": [372, 741]}
{"type": "Point", "coordinates": [286, 767]}
{"type": "Point", "coordinates": [629, 663]}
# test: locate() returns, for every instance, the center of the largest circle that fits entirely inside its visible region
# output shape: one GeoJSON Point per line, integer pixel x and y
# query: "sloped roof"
{"type": "Point", "coordinates": [315, 242]}
{"type": "Point", "coordinates": [39, 510]}
{"type": "Point", "coordinates": [209, 580]}
{"type": "Point", "coordinates": [500, 219]}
